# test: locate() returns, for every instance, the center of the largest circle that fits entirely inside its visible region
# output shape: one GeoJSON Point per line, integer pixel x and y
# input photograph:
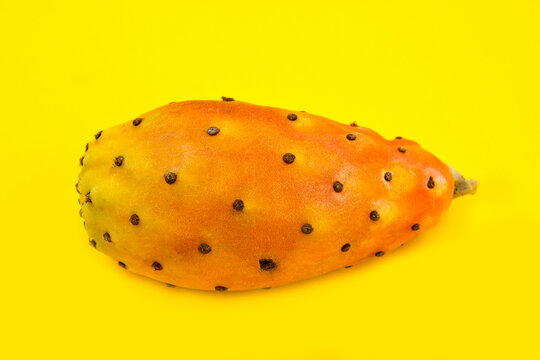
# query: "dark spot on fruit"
{"type": "Point", "coordinates": [292, 117]}
{"type": "Point", "coordinates": [338, 187]}
{"type": "Point", "coordinates": [98, 134]}
{"type": "Point", "coordinates": [307, 228]}
{"type": "Point", "coordinates": [346, 247]}
{"type": "Point", "coordinates": [402, 244]}
{"type": "Point", "coordinates": [77, 187]}
{"type": "Point", "coordinates": [374, 215]}
{"type": "Point", "coordinates": [107, 237]}
{"type": "Point", "coordinates": [221, 288]}
{"type": "Point", "coordinates": [212, 130]}
{"type": "Point", "coordinates": [431, 183]}
{"type": "Point", "coordinates": [415, 227]}
{"type": "Point", "coordinates": [134, 219]}
{"type": "Point", "coordinates": [267, 264]}
{"type": "Point", "coordinates": [204, 248]}
{"type": "Point", "coordinates": [157, 266]}
{"type": "Point", "coordinates": [288, 158]}
{"type": "Point", "coordinates": [351, 137]}
{"type": "Point", "coordinates": [354, 124]}
{"type": "Point", "coordinates": [170, 285]}
{"type": "Point", "coordinates": [86, 148]}
{"type": "Point", "coordinates": [121, 264]}
{"type": "Point", "coordinates": [170, 177]}
{"type": "Point", "coordinates": [238, 205]}
{"type": "Point", "coordinates": [379, 253]}
{"type": "Point", "coordinates": [80, 212]}
{"type": "Point", "coordinates": [401, 149]}
{"type": "Point", "coordinates": [267, 288]}
{"type": "Point", "coordinates": [224, 98]}
{"type": "Point", "coordinates": [119, 160]}
{"type": "Point", "coordinates": [398, 138]}
{"type": "Point", "coordinates": [137, 121]}
{"type": "Point", "coordinates": [388, 176]}
{"type": "Point", "coordinates": [348, 266]}
{"type": "Point", "coordinates": [81, 160]}
{"type": "Point", "coordinates": [87, 198]}
{"type": "Point", "coordinates": [92, 243]}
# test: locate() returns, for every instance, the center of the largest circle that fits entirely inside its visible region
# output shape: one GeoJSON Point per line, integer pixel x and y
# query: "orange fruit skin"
{"type": "Point", "coordinates": [262, 244]}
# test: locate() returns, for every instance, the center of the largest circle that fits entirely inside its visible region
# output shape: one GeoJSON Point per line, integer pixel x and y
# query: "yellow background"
{"type": "Point", "coordinates": [460, 77]}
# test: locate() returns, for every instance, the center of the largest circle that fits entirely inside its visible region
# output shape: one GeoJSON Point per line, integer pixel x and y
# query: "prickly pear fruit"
{"type": "Point", "coordinates": [226, 195]}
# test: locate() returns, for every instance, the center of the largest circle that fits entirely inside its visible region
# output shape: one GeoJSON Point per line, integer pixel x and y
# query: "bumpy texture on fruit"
{"type": "Point", "coordinates": [226, 195]}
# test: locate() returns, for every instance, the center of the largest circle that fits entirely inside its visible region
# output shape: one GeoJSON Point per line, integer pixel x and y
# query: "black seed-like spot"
{"type": "Point", "coordinates": [401, 149]}
{"type": "Point", "coordinates": [398, 138]}
{"type": "Point", "coordinates": [119, 160]}
{"type": "Point", "coordinates": [157, 266]}
{"type": "Point", "coordinates": [289, 158]}
{"type": "Point", "coordinates": [92, 243]}
{"type": "Point", "coordinates": [292, 117]}
{"type": "Point", "coordinates": [307, 228]}
{"type": "Point", "coordinates": [374, 215]}
{"type": "Point", "coordinates": [431, 183]}
{"type": "Point", "coordinates": [402, 244]}
{"type": "Point", "coordinates": [204, 248]}
{"type": "Point", "coordinates": [98, 134]}
{"type": "Point", "coordinates": [348, 266]}
{"type": "Point", "coordinates": [354, 124]}
{"type": "Point", "coordinates": [351, 137]}
{"type": "Point", "coordinates": [121, 264]}
{"type": "Point", "coordinates": [267, 264]}
{"type": "Point", "coordinates": [388, 176]}
{"type": "Point", "coordinates": [107, 237]}
{"type": "Point", "coordinates": [346, 247]}
{"type": "Point", "coordinates": [224, 98]}
{"type": "Point", "coordinates": [338, 187]}
{"type": "Point", "coordinates": [81, 160]}
{"type": "Point", "coordinates": [170, 285]}
{"type": "Point", "coordinates": [221, 288]}
{"type": "Point", "coordinates": [379, 253]}
{"type": "Point", "coordinates": [87, 198]}
{"type": "Point", "coordinates": [212, 130]}
{"type": "Point", "coordinates": [415, 227]}
{"type": "Point", "coordinates": [134, 219]}
{"type": "Point", "coordinates": [170, 177]}
{"type": "Point", "coordinates": [238, 205]}
{"type": "Point", "coordinates": [267, 288]}
{"type": "Point", "coordinates": [137, 121]}
{"type": "Point", "coordinates": [86, 147]}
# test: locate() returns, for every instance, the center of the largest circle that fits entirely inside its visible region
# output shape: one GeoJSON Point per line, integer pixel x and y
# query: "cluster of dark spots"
{"type": "Point", "coordinates": [307, 228]}
{"type": "Point", "coordinates": [212, 130]}
{"type": "Point", "coordinates": [401, 149]}
{"type": "Point", "coordinates": [204, 248]}
{"type": "Point", "coordinates": [170, 178]}
{"type": "Point", "coordinates": [288, 158]}
{"type": "Point", "coordinates": [87, 198]}
{"type": "Point", "coordinates": [348, 266]}
{"type": "Point", "coordinates": [221, 288]}
{"type": "Point", "coordinates": [157, 266]}
{"type": "Point", "coordinates": [292, 117]}
{"type": "Point", "coordinates": [86, 148]}
{"type": "Point", "coordinates": [415, 227]}
{"type": "Point", "coordinates": [238, 205]}
{"type": "Point", "coordinates": [267, 264]}
{"type": "Point", "coordinates": [81, 160]}
{"type": "Point", "coordinates": [374, 215]}
{"type": "Point", "coordinates": [97, 136]}
{"type": "Point", "coordinates": [338, 187]}
{"type": "Point", "coordinates": [379, 253]}
{"type": "Point", "coordinates": [388, 176]}
{"type": "Point", "coordinates": [346, 247]}
{"type": "Point", "coordinates": [351, 137]}
{"type": "Point", "coordinates": [92, 243]}
{"type": "Point", "coordinates": [431, 183]}
{"type": "Point", "coordinates": [134, 219]}
{"type": "Point", "coordinates": [398, 138]}
{"type": "Point", "coordinates": [137, 121]}
{"type": "Point", "coordinates": [224, 98]}
{"type": "Point", "coordinates": [121, 264]}
{"type": "Point", "coordinates": [354, 124]}
{"type": "Point", "coordinates": [107, 237]}
{"type": "Point", "coordinates": [119, 160]}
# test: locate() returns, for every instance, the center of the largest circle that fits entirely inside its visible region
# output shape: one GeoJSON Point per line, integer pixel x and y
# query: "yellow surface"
{"type": "Point", "coordinates": [460, 77]}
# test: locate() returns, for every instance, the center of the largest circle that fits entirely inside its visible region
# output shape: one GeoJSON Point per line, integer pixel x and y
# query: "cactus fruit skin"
{"type": "Point", "coordinates": [202, 194]}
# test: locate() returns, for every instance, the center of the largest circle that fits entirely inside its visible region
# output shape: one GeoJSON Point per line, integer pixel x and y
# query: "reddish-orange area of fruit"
{"type": "Point", "coordinates": [200, 208]}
